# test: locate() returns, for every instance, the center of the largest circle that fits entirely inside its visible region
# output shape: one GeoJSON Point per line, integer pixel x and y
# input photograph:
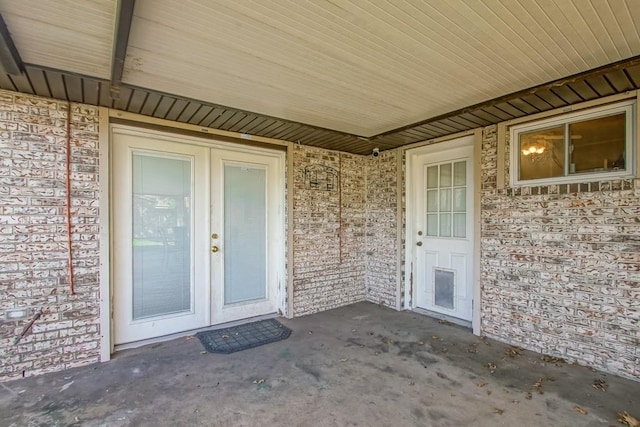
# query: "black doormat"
{"type": "Point", "coordinates": [242, 337]}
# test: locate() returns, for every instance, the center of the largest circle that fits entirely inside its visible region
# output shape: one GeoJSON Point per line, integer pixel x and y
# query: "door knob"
{"type": "Point", "coordinates": [214, 249]}
{"type": "Point", "coordinates": [419, 244]}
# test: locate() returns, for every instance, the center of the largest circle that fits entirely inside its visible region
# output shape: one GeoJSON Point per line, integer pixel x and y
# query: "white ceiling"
{"type": "Point", "coordinates": [357, 67]}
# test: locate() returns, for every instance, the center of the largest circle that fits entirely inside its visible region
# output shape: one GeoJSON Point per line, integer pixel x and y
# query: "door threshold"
{"type": "Point", "coordinates": [450, 319]}
{"type": "Point", "coordinates": [170, 337]}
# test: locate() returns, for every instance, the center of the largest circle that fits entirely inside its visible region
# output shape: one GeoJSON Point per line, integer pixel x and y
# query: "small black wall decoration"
{"type": "Point", "coordinates": [319, 177]}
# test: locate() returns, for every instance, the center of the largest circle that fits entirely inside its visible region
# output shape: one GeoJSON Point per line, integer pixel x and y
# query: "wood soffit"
{"type": "Point", "coordinates": [608, 80]}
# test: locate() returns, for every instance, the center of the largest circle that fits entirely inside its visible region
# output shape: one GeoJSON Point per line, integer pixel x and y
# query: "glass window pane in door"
{"type": "Point", "coordinates": [459, 225]}
{"type": "Point", "coordinates": [445, 175]}
{"type": "Point", "coordinates": [161, 245]}
{"type": "Point", "coordinates": [432, 225]}
{"type": "Point", "coordinates": [445, 200]}
{"type": "Point", "coordinates": [460, 173]}
{"type": "Point", "coordinates": [459, 199]}
{"type": "Point", "coordinates": [432, 177]}
{"type": "Point", "coordinates": [432, 201]}
{"type": "Point", "coordinates": [245, 234]}
{"type": "Point", "coordinates": [445, 225]}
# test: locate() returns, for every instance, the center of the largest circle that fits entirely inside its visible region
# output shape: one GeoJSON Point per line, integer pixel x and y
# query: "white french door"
{"type": "Point", "coordinates": [197, 233]}
{"type": "Point", "coordinates": [442, 228]}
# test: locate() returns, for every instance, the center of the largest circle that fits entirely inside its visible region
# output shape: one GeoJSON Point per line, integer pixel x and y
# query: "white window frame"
{"type": "Point", "coordinates": [627, 107]}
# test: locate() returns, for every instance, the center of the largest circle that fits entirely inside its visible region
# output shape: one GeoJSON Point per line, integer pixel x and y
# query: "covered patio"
{"type": "Point", "coordinates": [360, 364]}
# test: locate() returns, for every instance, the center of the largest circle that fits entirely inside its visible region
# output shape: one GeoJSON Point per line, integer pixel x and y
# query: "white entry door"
{"type": "Point", "coordinates": [443, 227]}
{"type": "Point", "coordinates": [197, 234]}
{"type": "Point", "coordinates": [245, 247]}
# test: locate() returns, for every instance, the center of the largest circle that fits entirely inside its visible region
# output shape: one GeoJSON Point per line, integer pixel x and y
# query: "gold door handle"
{"type": "Point", "coordinates": [214, 249]}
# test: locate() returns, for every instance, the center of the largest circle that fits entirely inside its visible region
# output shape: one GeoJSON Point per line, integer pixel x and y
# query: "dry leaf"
{"type": "Point", "coordinates": [310, 332]}
{"type": "Point", "coordinates": [420, 342]}
{"type": "Point", "coordinates": [412, 383]}
{"type": "Point", "coordinates": [203, 352]}
{"type": "Point", "coordinates": [552, 359]}
{"type": "Point", "coordinates": [492, 367]}
{"type": "Point", "coordinates": [581, 410]}
{"type": "Point", "coordinates": [260, 381]}
{"type": "Point", "coordinates": [600, 385]}
{"type": "Point", "coordinates": [489, 392]}
{"type": "Point", "coordinates": [433, 337]}
{"type": "Point", "coordinates": [515, 401]}
{"type": "Point", "coordinates": [444, 322]}
{"type": "Point", "coordinates": [498, 411]}
{"type": "Point", "coordinates": [481, 384]}
{"type": "Point", "coordinates": [628, 419]}
{"type": "Point", "coordinates": [224, 337]}
{"type": "Point", "coordinates": [190, 337]}
{"type": "Point", "coordinates": [528, 396]}
{"type": "Point", "coordinates": [344, 360]}
{"type": "Point", "coordinates": [514, 351]}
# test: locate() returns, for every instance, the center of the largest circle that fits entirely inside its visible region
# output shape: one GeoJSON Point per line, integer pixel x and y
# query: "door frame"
{"type": "Point", "coordinates": [411, 158]}
{"type": "Point", "coordinates": [175, 132]}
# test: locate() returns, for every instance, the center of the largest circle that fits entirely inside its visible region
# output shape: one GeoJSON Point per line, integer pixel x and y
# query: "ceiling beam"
{"type": "Point", "coordinates": [124, 16]}
{"type": "Point", "coordinates": [10, 60]}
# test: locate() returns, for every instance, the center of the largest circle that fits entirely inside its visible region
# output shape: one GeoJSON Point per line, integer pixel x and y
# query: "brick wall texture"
{"type": "Point", "coordinates": [33, 239]}
{"type": "Point", "coordinates": [328, 229]}
{"type": "Point", "coordinates": [561, 268]}
{"type": "Point", "coordinates": [381, 229]}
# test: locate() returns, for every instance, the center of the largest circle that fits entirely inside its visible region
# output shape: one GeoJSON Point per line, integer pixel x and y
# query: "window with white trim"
{"type": "Point", "coordinates": [587, 145]}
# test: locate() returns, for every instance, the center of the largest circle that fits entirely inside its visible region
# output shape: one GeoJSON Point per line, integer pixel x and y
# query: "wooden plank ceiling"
{"type": "Point", "coordinates": [332, 74]}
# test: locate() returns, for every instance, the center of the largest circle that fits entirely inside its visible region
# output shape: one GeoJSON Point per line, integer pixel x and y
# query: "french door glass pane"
{"type": "Point", "coordinates": [459, 199]}
{"type": "Point", "coordinates": [162, 218]}
{"type": "Point", "coordinates": [244, 234]}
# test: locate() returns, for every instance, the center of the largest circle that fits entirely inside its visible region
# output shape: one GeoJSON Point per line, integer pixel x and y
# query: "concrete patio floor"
{"type": "Point", "coordinates": [360, 365]}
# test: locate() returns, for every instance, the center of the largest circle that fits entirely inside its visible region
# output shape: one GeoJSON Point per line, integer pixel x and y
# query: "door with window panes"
{"type": "Point", "coordinates": [444, 228]}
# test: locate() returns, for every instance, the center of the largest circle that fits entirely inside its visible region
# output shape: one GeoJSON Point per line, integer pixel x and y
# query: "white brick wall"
{"type": "Point", "coordinates": [381, 229]}
{"type": "Point", "coordinates": [328, 229]}
{"type": "Point", "coordinates": [33, 248]}
{"type": "Point", "coordinates": [561, 268]}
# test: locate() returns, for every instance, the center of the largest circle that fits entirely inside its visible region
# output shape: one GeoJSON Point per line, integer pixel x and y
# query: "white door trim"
{"type": "Point", "coordinates": [411, 156]}
{"type": "Point", "coordinates": [105, 218]}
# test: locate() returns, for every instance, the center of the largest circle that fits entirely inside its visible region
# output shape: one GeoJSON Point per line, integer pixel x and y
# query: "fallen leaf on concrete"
{"type": "Point", "coordinates": [581, 410]}
{"type": "Point", "coordinates": [538, 386]}
{"type": "Point", "coordinates": [514, 351]}
{"type": "Point", "coordinates": [481, 384]}
{"type": "Point", "coordinates": [190, 337]}
{"type": "Point", "coordinates": [203, 352]}
{"type": "Point", "coordinates": [310, 332]}
{"type": "Point", "coordinates": [600, 385]}
{"type": "Point", "coordinates": [628, 419]}
{"type": "Point", "coordinates": [553, 359]}
{"type": "Point", "coordinates": [472, 350]}
{"type": "Point", "coordinates": [528, 396]}
{"type": "Point", "coordinates": [498, 411]}
{"type": "Point", "coordinates": [344, 360]}
{"type": "Point", "coordinates": [353, 330]}
{"type": "Point", "coordinates": [492, 367]}
{"type": "Point", "coordinates": [420, 342]}
{"type": "Point", "coordinates": [260, 381]}
{"type": "Point", "coordinates": [225, 336]}
{"type": "Point", "coordinates": [489, 392]}
{"type": "Point", "coordinates": [444, 322]}
{"type": "Point", "coordinates": [412, 383]}
{"type": "Point", "coordinates": [433, 337]}
{"type": "Point", "coordinates": [515, 401]}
